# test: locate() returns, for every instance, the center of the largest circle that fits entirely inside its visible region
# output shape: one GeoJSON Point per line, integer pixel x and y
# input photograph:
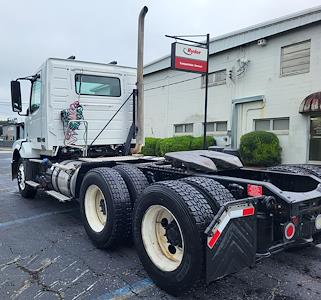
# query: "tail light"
{"type": "Point", "coordinates": [289, 231]}
{"type": "Point", "coordinates": [254, 190]}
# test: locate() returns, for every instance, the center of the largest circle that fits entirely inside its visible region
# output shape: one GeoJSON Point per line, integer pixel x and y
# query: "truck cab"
{"type": "Point", "coordinates": [86, 93]}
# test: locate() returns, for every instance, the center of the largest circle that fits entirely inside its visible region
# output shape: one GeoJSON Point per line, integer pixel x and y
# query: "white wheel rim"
{"type": "Point", "coordinates": [157, 245]}
{"type": "Point", "coordinates": [21, 177]}
{"type": "Point", "coordinates": [95, 208]}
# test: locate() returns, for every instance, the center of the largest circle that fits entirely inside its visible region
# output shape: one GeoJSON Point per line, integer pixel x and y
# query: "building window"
{"type": "Point", "coordinates": [262, 125]}
{"type": "Point", "coordinates": [281, 124]}
{"type": "Point", "coordinates": [183, 128]}
{"type": "Point", "coordinates": [278, 124]}
{"type": "Point", "coordinates": [220, 126]}
{"type": "Point", "coordinates": [215, 78]}
{"type": "Point", "coordinates": [97, 85]}
{"type": "Point", "coordinates": [295, 58]}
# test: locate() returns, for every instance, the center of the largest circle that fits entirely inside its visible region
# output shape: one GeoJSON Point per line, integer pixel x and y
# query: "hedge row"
{"type": "Point", "coordinates": [260, 148]}
{"type": "Point", "coordinates": [158, 146]}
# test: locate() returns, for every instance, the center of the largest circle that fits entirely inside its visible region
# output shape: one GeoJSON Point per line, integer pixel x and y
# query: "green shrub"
{"type": "Point", "coordinates": [179, 143]}
{"type": "Point", "coordinates": [197, 142]}
{"type": "Point", "coordinates": [151, 146]}
{"type": "Point", "coordinates": [260, 148]}
{"type": "Point", "coordinates": [159, 147]}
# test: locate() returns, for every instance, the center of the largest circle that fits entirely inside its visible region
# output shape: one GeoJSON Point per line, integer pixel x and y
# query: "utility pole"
{"type": "Point", "coordinates": [206, 93]}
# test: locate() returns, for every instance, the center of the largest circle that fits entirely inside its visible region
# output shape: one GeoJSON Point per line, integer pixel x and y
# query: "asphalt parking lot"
{"type": "Point", "coordinates": [45, 254]}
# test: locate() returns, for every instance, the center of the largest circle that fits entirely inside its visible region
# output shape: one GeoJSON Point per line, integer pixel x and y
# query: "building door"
{"type": "Point", "coordinates": [246, 114]}
{"type": "Point", "coordinates": [315, 140]}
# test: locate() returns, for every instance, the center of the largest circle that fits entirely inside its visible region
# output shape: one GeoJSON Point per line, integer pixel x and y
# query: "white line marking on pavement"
{"type": "Point", "coordinates": [78, 277]}
{"type": "Point", "coordinates": [9, 263]}
{"type": "Point", "coordinates": [84, 291]}
{"type": "Point", "coordinates": [26, 284]}
{"type": "Point", "coordinates": [64, 269]}
{"type": "Point", "coordinates": [32, 218]}
{"type": "Point", "coordinates": [91, 286]}
{"type": "Point", "coordinates": [3, 283]}
{"type": "Point", "coordinates": [32, 259]}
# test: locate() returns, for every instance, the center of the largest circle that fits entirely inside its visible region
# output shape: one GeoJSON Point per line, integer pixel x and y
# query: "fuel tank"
{"type": "Point", "coordinates": [64, 176]}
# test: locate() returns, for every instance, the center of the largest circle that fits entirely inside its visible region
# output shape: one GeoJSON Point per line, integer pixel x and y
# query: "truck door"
{"type": "Point", "coordinates": [35, 115]}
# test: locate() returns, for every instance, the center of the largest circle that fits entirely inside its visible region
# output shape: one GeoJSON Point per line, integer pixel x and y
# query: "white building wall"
{"type": "Point", "coordinates": [168, 103]}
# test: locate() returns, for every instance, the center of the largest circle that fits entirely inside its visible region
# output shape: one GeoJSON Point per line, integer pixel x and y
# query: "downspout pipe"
{"type": "Point", "coordinates": [140, 138]}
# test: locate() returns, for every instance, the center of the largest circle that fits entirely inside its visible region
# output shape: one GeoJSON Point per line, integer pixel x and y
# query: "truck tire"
{"type": "Point", "coordinates": [214, 192]}
{"type": "Point", "coordinates": [25, 190]}
{"type": "Point", "coordinates": [168, 227]}
{"type": "Point", "coordinates": [105, 207]}
{"type": "Point", "coordinates": [135, 180]}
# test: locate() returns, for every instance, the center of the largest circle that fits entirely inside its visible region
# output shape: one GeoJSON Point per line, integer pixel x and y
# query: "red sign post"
{"type": "Point", "coordinates": [189, 58]}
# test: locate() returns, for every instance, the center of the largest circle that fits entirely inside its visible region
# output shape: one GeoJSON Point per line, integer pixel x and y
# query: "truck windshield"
{"type": "Point", "coordinates": [97, 85]}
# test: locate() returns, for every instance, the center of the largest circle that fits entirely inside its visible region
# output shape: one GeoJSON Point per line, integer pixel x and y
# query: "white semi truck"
{"type": "Point", "coordinates": [192, 215]}
{"type": "Point", "coordinates": [70, 102]}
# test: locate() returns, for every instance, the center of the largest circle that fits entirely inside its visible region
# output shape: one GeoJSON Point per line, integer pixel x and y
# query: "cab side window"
{"type": "Point", "coordinates": [35, 96]}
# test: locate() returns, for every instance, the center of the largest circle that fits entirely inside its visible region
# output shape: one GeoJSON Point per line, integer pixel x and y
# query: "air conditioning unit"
{"type": "Point", "coordinates": [261, 42]}
{"type": "Point", "coordinates": [222, 141]}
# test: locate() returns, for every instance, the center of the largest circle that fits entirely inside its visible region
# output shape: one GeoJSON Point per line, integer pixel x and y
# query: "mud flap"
{"type": "Point", "coordinates": [231, 242]}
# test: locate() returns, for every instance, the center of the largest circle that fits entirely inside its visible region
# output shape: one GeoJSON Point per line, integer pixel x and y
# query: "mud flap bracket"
{"type": "Point", "coordinates": [231, 241]}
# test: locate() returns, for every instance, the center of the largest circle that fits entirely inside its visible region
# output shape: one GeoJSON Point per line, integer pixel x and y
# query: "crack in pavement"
{"type": "Point", "coordinates": [9, 263]}
{"type": "Point", "coordinates": [96, 274]}
{"type": "Point", "coordinates": [35, 278]}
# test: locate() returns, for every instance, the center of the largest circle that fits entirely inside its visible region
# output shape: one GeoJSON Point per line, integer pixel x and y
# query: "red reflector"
{"type": "Point", "coordinates": [214, 239]}
{"type": "Point", "coordinates": [248, 211]}
{"type": "Point", "coordinates": [254, 190]}
{"type": "Point", "coordinates": [289, 231]}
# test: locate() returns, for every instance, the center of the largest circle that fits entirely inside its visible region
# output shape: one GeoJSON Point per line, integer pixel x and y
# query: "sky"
{"type": "Point", "coordinates": [105, 30]}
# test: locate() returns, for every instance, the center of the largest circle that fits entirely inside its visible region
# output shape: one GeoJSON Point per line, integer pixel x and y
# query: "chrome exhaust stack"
{"type": "Point", "coordinates": [140, 138]}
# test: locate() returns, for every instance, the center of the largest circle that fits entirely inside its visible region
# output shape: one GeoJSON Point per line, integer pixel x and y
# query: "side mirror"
{"type": "Point", "coordinates": [16, 96]}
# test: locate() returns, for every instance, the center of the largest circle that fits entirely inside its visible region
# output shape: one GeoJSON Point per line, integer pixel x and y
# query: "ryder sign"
{"type": "Point", "coordinates": [189, 58]}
